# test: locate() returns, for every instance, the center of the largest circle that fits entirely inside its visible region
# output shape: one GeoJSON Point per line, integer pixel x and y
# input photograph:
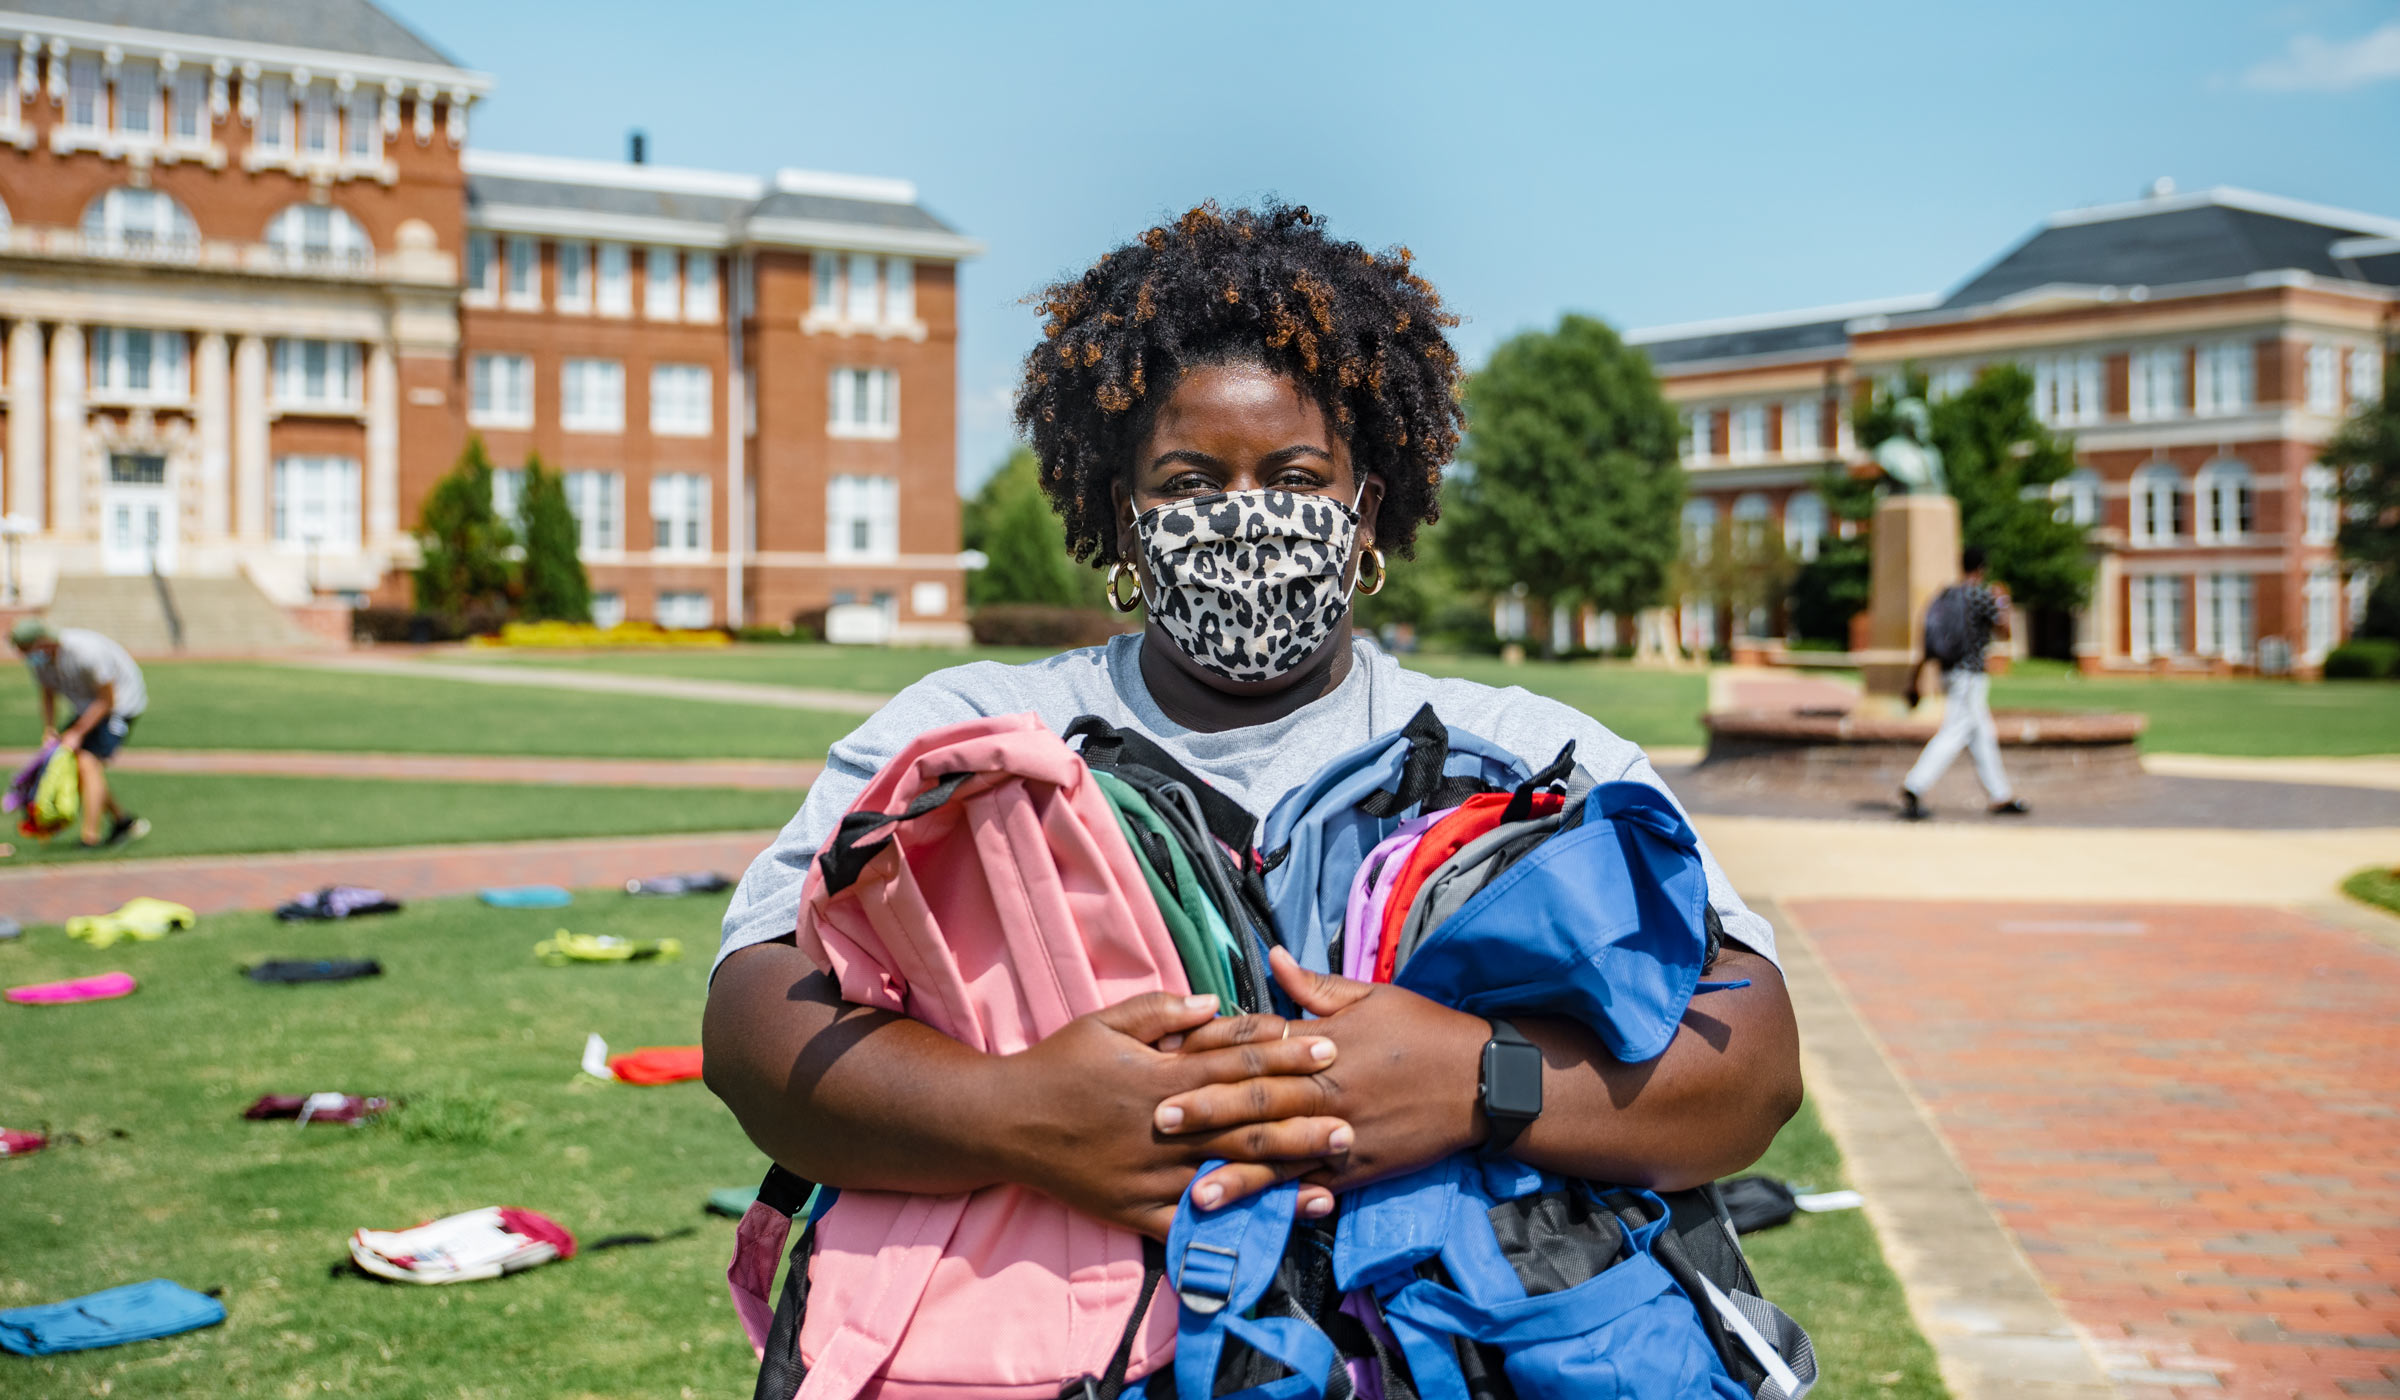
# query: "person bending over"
{"type": "Point", "coordinates": [1237, 374]}
{"type": "Point", "coordinates": [104, 691]}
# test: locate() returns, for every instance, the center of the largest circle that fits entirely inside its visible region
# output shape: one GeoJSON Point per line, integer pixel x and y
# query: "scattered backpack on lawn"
{"type": "Point", "coordinates": [319, 970]}
{"type": "Point", "coordinates": [137, 1312]}
{"type": "Point", "coordinates": [20, 1142]}
{"type": "Point", "coordinates": [526, 897]}
{"type": "Point", "coordinates": [53, 799]}
{"type": "Point", "coordinates": [144, 920]}
{"type": "Point", "coordinates": [103, 986]}
{"type": "Point", "coordinates": [475, 1244]}
{"type": "Point", "coordinates": [336, 902]}
{"type": "Point", "coordinates": [326, 1107]}
{"type": "Point", "coordinates": [563, 947]}
{"type": "Point", "coordinates": [668, 886]}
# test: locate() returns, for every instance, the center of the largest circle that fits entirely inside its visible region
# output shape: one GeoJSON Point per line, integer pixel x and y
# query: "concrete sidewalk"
{"type": "Point", "coordinates": [476, 768]}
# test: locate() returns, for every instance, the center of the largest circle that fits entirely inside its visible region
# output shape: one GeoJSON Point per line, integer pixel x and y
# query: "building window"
{"type": "Point", "coordinates": [825, 298]}
{"type": "Point", "coordinates": [608, 609]}
{"type": "Point", "coordinates": [2157, 615]}
{"type": "Point", "coordinates": [501, 391]}
{"type": "Point", "coordinates": [2224, 615]}
{"type": "Point", "coordinates": [866, 403]}
{"type": "Point", "coordinates": [2322, 618]}
{"type": "Point", "coordinates": [1699, 433]}
{"type": "Point", "coordinates": [2157, 505]}
{"type": "Point", "coordinates": [899, 291]}
{"type": "Point", "coordinates": [87, 101]}
{"type": "Point", "coordinates": [679, 513]}
{"type": "Point", "coordinates": [2067, 389]}
{"type": "Point", "coordinates": [662, 292]}
{"type": "Point", "coordinates": [2354, 596]}
{"type": "Point", "coordinates": [2321, 504]}
{"type": "Point", "coordinates": [1804, 525]}
{"type": "Point", "coordinates": [272, 130]}
{"type": "Point", "coordinates": [2226, 503]}
{"type": "Point", "coordinates": [858, 271]}
{"type": "Point", "coordinates": [131, 220]}
{"type": "Point", "coordinates": [592, 396]}
{"type": "Point", "coordinates": [2078, 497]}
{"type": "Point", "coordinates": [1699, 529]}
{"type": "Point", "coordinates": [140, 114]}
{"type": "Point", "coordinates": [362, 129]}
{"type": "Point", "coordinates": [2222, 377]}
{"type": "Point", "coordinates": [1804, 428]}
{"type": "Point", "coordinates": [2154, 384]}
{"type": "Point", "coordinates": [1949, 382]}
{"type": "Point", "coordinates": [685, 611]}
{"type": "Point", "coordinates": [1747, 441]}
{"type": "Point", "coordinates": [598, 502]}
{"type": "Point", "coordinates": [187, 111]}
{"type": "Point", "coordinates": [316, 121]}
{"type": "Point", "coordinates": [574, 276]}
{"type": "Point", "coordinates": [524, 273]}
{"type": "Point", "coordinates": [316, 374]}
{"type": "Point", "coordinates": [616, 280]}
{"type": "Point", "coordinates": [508, 496]}
{"type": "Point", "coordinates": [483, 270]}
{"type": "Point", "coordinates": [679, 400]}
{"type": "Point", "coordinates": [699, 286]}
{"type": "Point", "coordinates": [316, 503]}
{"type": "Point", "coordinates": [1752, 515]}
{"type": "Point", "coordinates": [929, 599]}
{"type": "Point", "coordinates": [2324, 375]}
{"type": "Point", "coordinates": [138, 366]}
{"type": "Point", "coordinates": [317, 235]}
{"type": "Point", "coordinates": [862, 518]}
{"type": "Point", "coordinates": [2366, 376]}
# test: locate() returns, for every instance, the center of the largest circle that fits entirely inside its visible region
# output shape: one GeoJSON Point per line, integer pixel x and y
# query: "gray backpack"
{"type": "Point", "coordinates": [1946, 627]}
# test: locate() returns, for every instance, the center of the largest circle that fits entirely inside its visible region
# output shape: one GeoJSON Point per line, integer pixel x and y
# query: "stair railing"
{"type": "Point", "coordinates": [166, 604]}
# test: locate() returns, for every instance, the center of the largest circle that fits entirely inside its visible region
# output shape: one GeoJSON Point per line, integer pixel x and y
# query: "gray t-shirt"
{"type": "Point", "coordinates": [1254, 766]}
{"type": "Point", "coordinates": [86, 661]}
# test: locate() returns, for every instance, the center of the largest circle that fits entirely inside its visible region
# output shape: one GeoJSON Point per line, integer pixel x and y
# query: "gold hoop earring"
{"type": "Point", "coordinates": [1121, 569]}
{"type": "Point", "coordinates": [1359, 584]}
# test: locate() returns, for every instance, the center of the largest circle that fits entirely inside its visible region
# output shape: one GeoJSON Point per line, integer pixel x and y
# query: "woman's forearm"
{"type": "Point", "coordinates": [1705, 1109]}
{"type": "Point", "coordinates": [842, 1094]}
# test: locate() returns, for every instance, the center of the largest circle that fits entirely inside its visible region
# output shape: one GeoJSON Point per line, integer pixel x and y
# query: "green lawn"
{"type": "Point", "coordinates": [195, 815]}
{"type": "Point", "coordinates": [1651, 708]}
{"type": "Point", "coordinates": [876, 670]}
{"type": "Point", "coordinates": [2262, 718]}
{"type": "Point", "coordinates": [246, 705]}
{"type": "Point", "coordinates": [481, 1043]}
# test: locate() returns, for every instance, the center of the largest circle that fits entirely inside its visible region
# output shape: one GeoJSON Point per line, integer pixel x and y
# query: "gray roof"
{"type": "Point", "coordinates": [2207, 242]}
{"type": "Point", "coordinates": [484, 190]}
{"type": "Point", "coordinates": [335, 26]}
{"type": "Point", "coordinates": [534, 193]}
{"type": "Point", "coordinates": [1828, 337]}
{"type": "Point", "coordinates": [782, 204]}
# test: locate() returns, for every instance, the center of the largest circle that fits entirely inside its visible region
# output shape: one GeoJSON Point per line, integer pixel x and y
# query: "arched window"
{"type": "Point", "coordinates": [2227, 504]}
{"type": "Point", "coordinates": [317, 234]}
{"type": "Point", "coordinates": [1699, 528]}
{"type": "Point", "coordinates": [1753, 515]}
{"type": "Point", "coordinates": [2157, 505]}
{"type": "Point", "coordinates": [127, 219]}
{"type": "Point", "coordinates": [2321, 512]}
{"type": "Point", "coordinates": [1804, 525]}
{"type": "Point", "coordinates": [2078, 497]}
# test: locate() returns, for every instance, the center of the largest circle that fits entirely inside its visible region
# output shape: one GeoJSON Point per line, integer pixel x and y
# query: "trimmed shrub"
{"type": "Point", "coordinates": [1034, 625]}
{"type": "Point", "coordinates": [2363, 659]}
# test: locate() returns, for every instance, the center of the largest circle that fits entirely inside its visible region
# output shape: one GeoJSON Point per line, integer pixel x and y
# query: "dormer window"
{"type": "Point", "coordinates": [318, 234]}
{"type": "Point", "coordinates": [138, 220]}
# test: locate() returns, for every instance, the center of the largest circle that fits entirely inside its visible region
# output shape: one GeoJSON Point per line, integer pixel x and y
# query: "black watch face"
{"type": "Point", "coordinates": [1512, 1080]}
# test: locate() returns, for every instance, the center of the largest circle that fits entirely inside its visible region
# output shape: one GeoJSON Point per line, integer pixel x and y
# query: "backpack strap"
{"type": "Point", "coordinates": [1221, 1263]}
{"type": "Point", "coordinates": [757, 1247]}
{"type": "Point", "coordinates": [1520, 806]}
{"type": "Point", "coordinates": [1423, 785]}
{"type": "Point", "coordinates": [847, 854]}
{"type": "Point", "coordinates": [1109, 746]}
{"type": "Point", "coordinates": [1111, 1384]}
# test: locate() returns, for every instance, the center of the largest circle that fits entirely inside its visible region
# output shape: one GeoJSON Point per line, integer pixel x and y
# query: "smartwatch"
{"type": "Point", "coordinates": [1511, 1091]}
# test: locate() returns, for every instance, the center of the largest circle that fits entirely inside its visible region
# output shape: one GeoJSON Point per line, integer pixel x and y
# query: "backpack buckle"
{"type": "Point", "coordinates": [1081, 1388]}
{"type": "Point", "coordinates": [1205, 1281]}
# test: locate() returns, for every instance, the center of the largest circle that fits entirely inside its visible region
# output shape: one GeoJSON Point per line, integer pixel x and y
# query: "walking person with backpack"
{"type": "Point", "coordinates": [1959, 624]}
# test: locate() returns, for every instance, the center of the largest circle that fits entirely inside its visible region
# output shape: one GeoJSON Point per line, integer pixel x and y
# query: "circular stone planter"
{"type": "Point", "coordinates": [2051, 756]}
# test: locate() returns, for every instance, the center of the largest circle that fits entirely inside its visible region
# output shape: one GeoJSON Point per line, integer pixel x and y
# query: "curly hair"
{"type": "Point", "coordinates": [1358, 331]}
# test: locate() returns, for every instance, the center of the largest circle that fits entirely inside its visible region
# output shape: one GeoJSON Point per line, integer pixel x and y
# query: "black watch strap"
{"type": "Point", "coordinates": [1510, 1089]}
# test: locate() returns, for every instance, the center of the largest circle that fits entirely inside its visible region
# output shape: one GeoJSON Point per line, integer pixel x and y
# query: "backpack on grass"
{"type": "Point", "coordinates": [137, 1312]}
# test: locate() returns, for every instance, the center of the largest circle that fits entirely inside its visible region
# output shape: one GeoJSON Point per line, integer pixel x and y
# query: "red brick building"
{"type": "Point", "coordinates": [256, 288]}
{"type": "Point", "coordinates": [2200, 349]}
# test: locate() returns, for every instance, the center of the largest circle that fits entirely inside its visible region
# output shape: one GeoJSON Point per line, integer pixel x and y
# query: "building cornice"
{"type": "Point", "coordinates": [458, 83]}
{"type": "Point", "coordinates": [2233, 431]}
{"type": "Point", "coordinates": [1777, 320]}
{"type": "Point", "coordinates": [569, 170]}
{"type": "Point", "coordinates": [581, 224]}
{"type": "Point", "coordinates": [861, 238]}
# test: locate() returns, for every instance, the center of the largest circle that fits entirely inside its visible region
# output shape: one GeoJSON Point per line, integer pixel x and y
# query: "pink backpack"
{"type": "Point", "coordinates": [1001, 853]}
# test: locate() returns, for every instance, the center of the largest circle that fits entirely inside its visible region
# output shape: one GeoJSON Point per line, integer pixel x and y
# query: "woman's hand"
{"type": "Point", "coordinates": [1090, 1126]}
{"type": "Point", "coordinates": [1404, 1079]}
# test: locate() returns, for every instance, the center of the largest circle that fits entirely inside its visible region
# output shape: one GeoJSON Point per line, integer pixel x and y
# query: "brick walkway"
{"type": "Point", "coordinates": [2189, 1117]}
{"type": "Point", "coordinates": [50, 894]}
{"type": "Point", "coordinates": [601, 772]}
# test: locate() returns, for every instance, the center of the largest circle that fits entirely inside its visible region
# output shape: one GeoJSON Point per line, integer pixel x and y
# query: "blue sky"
{"type": "Point", "coordinates": [1647, 164]}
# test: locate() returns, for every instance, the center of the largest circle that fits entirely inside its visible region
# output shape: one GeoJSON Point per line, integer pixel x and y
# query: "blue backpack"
{"type": "Point", "coordinates": [136, 1312]}
{"type": "Point", "coordinates": [1489, 1277]}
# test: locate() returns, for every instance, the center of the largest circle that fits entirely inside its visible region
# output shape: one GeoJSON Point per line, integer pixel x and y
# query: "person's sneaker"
{"type": "Point", "coordinates": [1912, 810]}
{"type": "Point", "coordinates": [124, 831]}
{"type": "Point", "coordinates": [2013, 807]}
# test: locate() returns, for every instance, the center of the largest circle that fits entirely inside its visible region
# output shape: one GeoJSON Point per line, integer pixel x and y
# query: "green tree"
{"type": "Point", "coordinates": [556, 587]}
{"type": "Point", "coordinates": [2001, 463]}
{"type": "Point", "coordinates": [1832, 588]}
{"type": "Point", "coordinates": [2366, 453]}
{"type": "Point", "coordinates": [463, 542]}
{"type": "Point", "coordinates": [1568, 480]}
{"type": "Point", "coordinates": [1743, 567]}
{"type": "Point", "coordinates": [1011, 522]}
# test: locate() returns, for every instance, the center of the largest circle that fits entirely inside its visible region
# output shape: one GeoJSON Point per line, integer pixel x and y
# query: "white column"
{"type": "Point", "coordinates": [25, 422]}
{"type": "Point", "coordinates": [213, 412]}
{"type": "Point", "coordinates": [383, 448]}
{"type": "Point", "coordinates": [250, 440]}
{"type": "Point", "coordinates": [66, 429]}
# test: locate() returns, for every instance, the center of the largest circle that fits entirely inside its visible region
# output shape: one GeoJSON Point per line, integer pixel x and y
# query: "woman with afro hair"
{"type": "Point", "coordinates": [1244, 421]}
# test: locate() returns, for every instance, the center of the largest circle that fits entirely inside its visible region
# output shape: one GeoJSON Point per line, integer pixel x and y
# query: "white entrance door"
{"type": "Point", "coordinates": [137, 516]}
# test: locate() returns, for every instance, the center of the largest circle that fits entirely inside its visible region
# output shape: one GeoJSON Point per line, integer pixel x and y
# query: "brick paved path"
{"type": "Point", "coordinates": [2188, 1115]}
{"type": "Point", "coordinates": [50, 894]}
{"type": "Point", "coordinates": [603, 772]}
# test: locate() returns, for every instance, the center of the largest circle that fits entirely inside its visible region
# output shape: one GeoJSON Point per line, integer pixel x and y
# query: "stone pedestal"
{"type": "Point", "coordinates": [1916, 557]}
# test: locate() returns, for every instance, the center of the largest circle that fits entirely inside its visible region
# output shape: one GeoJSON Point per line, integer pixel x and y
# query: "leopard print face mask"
{"type": "Point", "coordinates": [1248, 583]}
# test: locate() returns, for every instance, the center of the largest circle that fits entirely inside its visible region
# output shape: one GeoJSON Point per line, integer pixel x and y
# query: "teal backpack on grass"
{"type": "Point", "coordinates": [137, 1312]}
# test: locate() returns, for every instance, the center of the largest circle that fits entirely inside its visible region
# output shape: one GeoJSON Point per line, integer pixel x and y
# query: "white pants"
{"type": "Point", "coordinates": [1966, 724]}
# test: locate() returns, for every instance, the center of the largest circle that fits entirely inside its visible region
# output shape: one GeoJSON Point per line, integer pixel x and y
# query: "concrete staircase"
{"type": "Point", "coordinates": [217, 615]}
